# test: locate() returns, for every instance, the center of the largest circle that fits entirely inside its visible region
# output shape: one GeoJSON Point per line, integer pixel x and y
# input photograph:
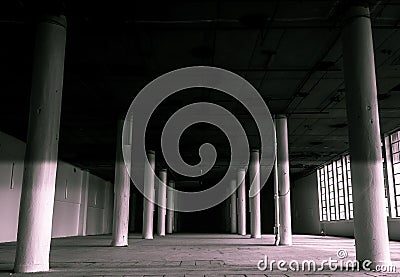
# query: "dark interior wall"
{"type": "Point", "coordinates": [305, 209]}
{"type": "Point", "coordinates": [136, 211]}
{"type": "Point", "coordinates": [211, 220]}
{"type": "Point", "coordinates": [267, 207]}
{"type": "Point", "coordinates": [217, 219]}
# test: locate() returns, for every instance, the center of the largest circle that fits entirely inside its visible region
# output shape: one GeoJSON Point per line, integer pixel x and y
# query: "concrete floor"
{"type": "Point", "coordinates": [189, 255]}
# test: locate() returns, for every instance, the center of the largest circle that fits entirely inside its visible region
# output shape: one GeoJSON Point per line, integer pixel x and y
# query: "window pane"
{"type": "Point", "coordinates": [397, 189]}
{"type": "Point", "coordinates": [395, 147]}
{"type": "Point", "coordinates": [396, 157]}
{"type": "Point", "coordinates": [395, 136]}
{"type": "Point", "coordinates": [396, 168]}
{"type": "Point", "coordinates": [397, 179]}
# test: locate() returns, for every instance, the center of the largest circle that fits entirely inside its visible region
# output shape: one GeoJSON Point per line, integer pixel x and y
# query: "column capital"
{"type": "Point", "coordinates": [171, 183]}
{"type": "Point", "coordinates": [355, 11]}
{"type": "Point", "coordinates": [54, 19]}
{"type": "Point", "coordinates": [280, 116]}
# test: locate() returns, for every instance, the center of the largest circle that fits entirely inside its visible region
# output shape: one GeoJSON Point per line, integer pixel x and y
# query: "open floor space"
{"type": "Point", "coordinates": [191, 255]}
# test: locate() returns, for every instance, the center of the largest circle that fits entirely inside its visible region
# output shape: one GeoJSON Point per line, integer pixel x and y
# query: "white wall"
{"type": "Point", "coordinates": [96, 199]}
{"type": "Point", "coordinates": [12, 152]}
{"type": "Point", "coordinates": [68, 201]}
{"type": "Point", "coordinates": [305, 211]}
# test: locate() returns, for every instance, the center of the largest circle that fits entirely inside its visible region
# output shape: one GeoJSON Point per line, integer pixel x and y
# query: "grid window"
{"type": "Point", "coordinates": [340, 188]}
{"type": "Point", "coordinates": [385, 181]}
{"type": "Point", "coordinates": [349, 187]}
{"type": "Point", "coordinates": [394, 143]}
{"type": "Point", "coordinates": [336, 190]}
{"type": "Point", "coordinates": [333, 191]}
{"type": "Point", "coordinates": [322, 195]}
{"type": "Point", "coordinates": [331, 186]}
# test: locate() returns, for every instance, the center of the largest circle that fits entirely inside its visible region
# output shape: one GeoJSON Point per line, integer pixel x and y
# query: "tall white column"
{"type": "Point", "coordinates": [276, 205]}
{"type": "Point", "coordinates": [162, 201]}
{"type": "Point", "coordinates": [121, 191]}
{"type": "Point", "coordinates": [370, 222]}
{"type": "Point", "coordinates": [148, 200]}
{"type": "Point", "coordinates": [285, 220]}
{"type": "Point", "coordinates": [84, 203]}
{"type": "Point", "coordinates": [241, 207]}
{"type": "Point", "coordinates": [176, 215]}
{"type": "Point", "coordinates": [233, 211]}
{"type": "Point", "coordinates": [38, 187]}
{"type": "Point", "coordinates": [255, 208]}
{"type": "Point", "coordinates": [170, 207]}
{"type": "Point", "coordinates": [133, 211]}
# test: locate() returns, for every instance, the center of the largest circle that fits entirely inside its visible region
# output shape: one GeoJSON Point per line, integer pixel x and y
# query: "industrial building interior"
{"type": "Point", "coordinates": [293, 52]}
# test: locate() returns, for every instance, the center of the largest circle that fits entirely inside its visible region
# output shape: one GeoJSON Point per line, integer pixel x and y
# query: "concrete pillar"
{"type": "Point", "coordinates": [370, 222]}
{"type": "Point", "coordinates": [233, 211]}
{"type": "Point", "coordinates": [84, 203]}
{"type": "Point", "coordinates": [276, 205]}
{"type": "Point", "coordinates": [255, 209]}
{"type": "Point", "coordinates": [282, 152]}
{"type": "Point", "coordinates": [241, 200]}
{"type": "Point", "coordinates": [148, 200]}
{"type": "Point", "coordinates": [176, 215]}
{"type": "Point", "coordinates": [38, 187]}
{"type": "Point", "coordinates": [133, 196]}
{"type": "Point", "coordinates": [170, 207]}
{"type": "Point", "coordinates": [162, 201]}
{"type": "Point", "coordinates": [121, 192]}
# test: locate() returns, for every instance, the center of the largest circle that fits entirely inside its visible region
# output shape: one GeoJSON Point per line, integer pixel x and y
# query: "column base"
{"type": "Point", "coordinates": [255, 236]}
{"type": "Point", "coordinates": [147, 237]}
{"type": "Point", "coordinates": [119, 244]}
{"type": "Point", "coordinates": [31, 268]}
{"type": "Point", "coordinates": [284, 244]}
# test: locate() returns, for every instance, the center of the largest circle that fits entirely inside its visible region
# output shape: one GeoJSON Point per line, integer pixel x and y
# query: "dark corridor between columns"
{"type": "Point", "coordinates": [212, 220]}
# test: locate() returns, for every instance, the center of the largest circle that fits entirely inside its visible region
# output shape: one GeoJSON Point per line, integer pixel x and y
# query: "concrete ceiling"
{"type": "Point", "coordinates": [289, 50]}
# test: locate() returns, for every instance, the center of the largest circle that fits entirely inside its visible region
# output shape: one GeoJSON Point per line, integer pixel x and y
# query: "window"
{"type": "Point", "coordinates": [322, 196]}
{"type": "Point", "coordinates": [336, 190]}
{"type": "Point", "coordinates": [331, 189]}
{"type": "Point", "coordinates": [395, 155]}
{"type": "Point", "coordinates": [349, 187]}
{"type": "Point", "coordinates": [385, 181]}
{"type": "Point", "coordinates": [334, 186]}
{"type": "Point", "coordinates": [340, 189]}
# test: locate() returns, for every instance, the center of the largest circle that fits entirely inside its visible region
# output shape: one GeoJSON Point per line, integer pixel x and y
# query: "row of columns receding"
{"type": "Point", "coordinates": [166, 198]}
{"type": "Point", "coordinates": [37, 196]}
